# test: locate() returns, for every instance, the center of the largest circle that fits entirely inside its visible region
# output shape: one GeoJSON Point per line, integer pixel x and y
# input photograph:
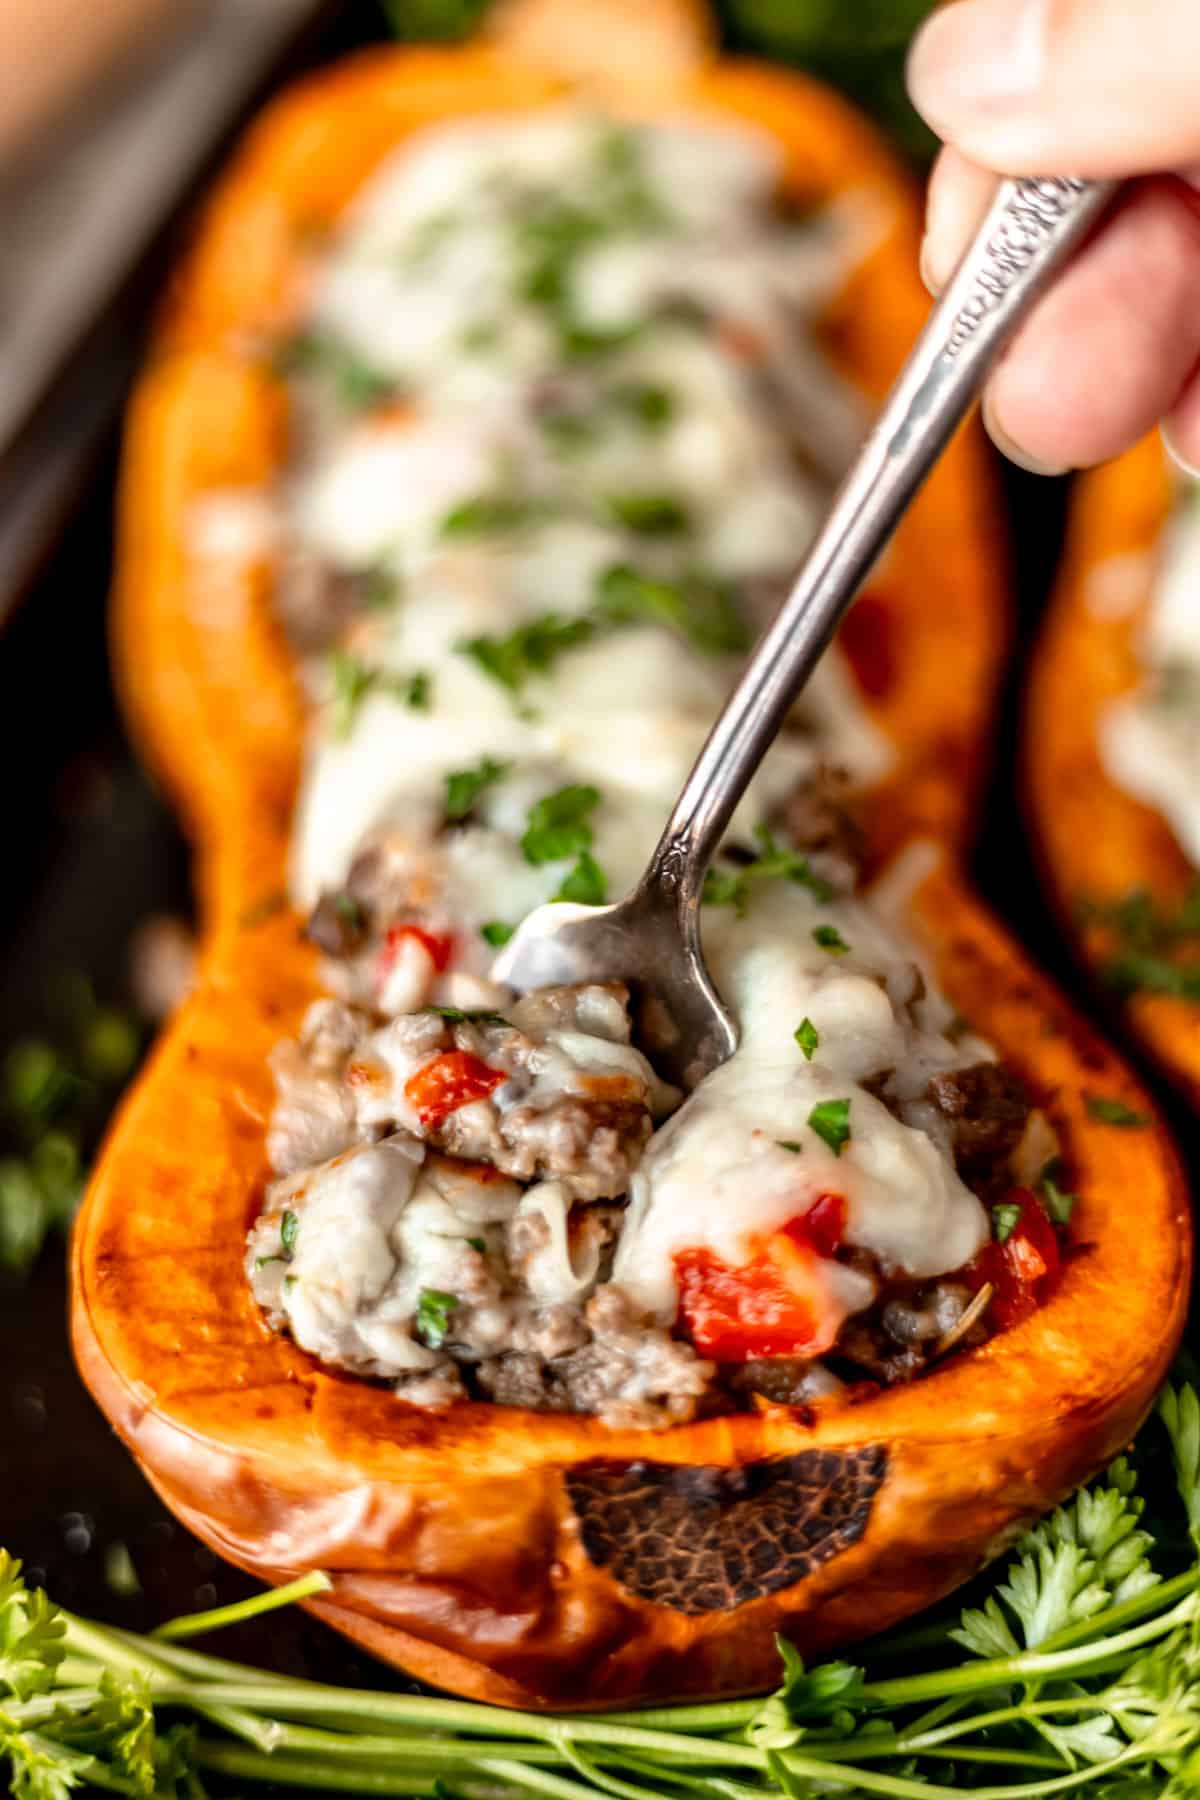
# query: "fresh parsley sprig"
{"type": "Point", "coordinates": [1078, 1673]}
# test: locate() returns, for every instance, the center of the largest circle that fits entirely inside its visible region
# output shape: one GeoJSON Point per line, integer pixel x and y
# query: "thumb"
{"type": "Point", "coordinates": [1080, 87]}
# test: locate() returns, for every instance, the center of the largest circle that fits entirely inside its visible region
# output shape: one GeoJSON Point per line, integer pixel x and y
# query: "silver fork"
{"type": "Point", "coordinates": [651, 939]}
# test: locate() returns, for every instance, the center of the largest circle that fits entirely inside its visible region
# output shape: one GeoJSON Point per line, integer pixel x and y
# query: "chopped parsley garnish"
{"type": "Point", "coordinates": [557, 825]}
{"type": "Point", "coordinates": [457, 1015]}
{"type": "Point", "coordinates": [426, 238]}
{"type": "Point", "coordinates": [289, 1226]}
{"type": "Point", "coordinates": [477, 1244]}
{"type": "Point", "coordinates": [700, 609]}
{"type": "Point", "coordinates": [487, 515]}
{"type": "Point", "coordinates": [1150, 936]}
{"type": "Point", "coordinates": [464, 786]}
{"type": "Point", "coordinates": [648, 403]}
{"type": "Point", "coordinates": [656, 515]}
{"type": "Point", "coordinates": [529, 650]}
{"type": "Point", "coordinates": [585, 884]}
{"type": "Point", "coordinates": [1006, 1216]}
{"type": "Point", "coordinates": [433, 1316]}
{"type": "Point", "coordinates": [1058, 1202]}
{"type": "Point", "coordinates": [353, 680]}
{"type": "Point", "coordinates": [808, 1038]}
{"type": "Point", "coordinates": [1113, 1112]}
{"type": "Point", "coordinates": [732, 887]}
{"type": "Point", "coordinates": [790, 1145]}
{"type": "Point", "coordinates": [831, 939]}
{"type": "Point", "coordinates": [354, 382]}
{"type": "Point", "coordinates": [417, 691]}
{"type": "Point", "coordinates": [496, 933]}
{"type": "Point", "coordinates": [830, 1119]}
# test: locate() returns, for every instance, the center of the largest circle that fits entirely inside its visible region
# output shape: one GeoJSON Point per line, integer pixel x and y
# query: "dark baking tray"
{"type": "Point", "coordinates": [92, 850]}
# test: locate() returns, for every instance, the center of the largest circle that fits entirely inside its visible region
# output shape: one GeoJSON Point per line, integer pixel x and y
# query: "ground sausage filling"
{"type": "Point", "coordinates": [561, 426]}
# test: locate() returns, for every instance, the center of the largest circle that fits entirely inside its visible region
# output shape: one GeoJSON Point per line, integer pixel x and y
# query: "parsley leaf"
{"type": "Point", "coordinates": [808, 1038]}
{"type": "Point", "coordinates": [352, 681]}
{"type": "Point", "coordinates": [831, 939]}
{"type": "Point", "coordinates": [434, 1310]}
{"type": "Point", "coordinates": [496, 932]}
{"type": "Point", "coordinates": [1006, 1216]}
{"type": "Point", "coordinates": [732, 887]}
{"type": "Point", "coordinates": [654, 515]}
{"type": "Point", "coordinates": [790, 1145]}
{"type": "Point", "coordinates": [1089, 1554]}
{"type": "Point", "coordinates": [31, 1635]}
{"type": "Point", "coordinates": [464, 786]}
{"type": "Point", "coordinates": [830, 1119]}
{"type": "Point", "coordinates": [557, 825]}
{"type": "Point", "coordinates": [355, 384]}
{"type": "Point", "coordinates": [1059, 1203]}
{"type": "Point", "coordinates": [417, 691]}
{"type": "Point", "coordinates": [487, 515]}
{"type": "Point", "coordinates": [586, 884]}
{"type": "Point", "coordinates": [458, 1015]}
{"type": "Point", "coordinates": [648, 403]}
{"type": "Point", "coordinates": [1113, 1112]}
{"type": "Point", "coordinates": [529, 650]}
{"type": "Point", "coordinates": [289, 1226]}
{"type": "Point", "coordinates": [700, 609]}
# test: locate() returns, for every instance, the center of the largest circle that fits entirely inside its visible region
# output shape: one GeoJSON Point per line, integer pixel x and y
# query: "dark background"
{"type": "Point", "coordinates": [93, 849]}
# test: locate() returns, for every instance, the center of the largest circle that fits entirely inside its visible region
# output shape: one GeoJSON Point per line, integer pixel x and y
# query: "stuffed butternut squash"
{"type": "Point", "coordinates": [1112, 747]}
{"type": "Point", "coordinates": [487, 418]}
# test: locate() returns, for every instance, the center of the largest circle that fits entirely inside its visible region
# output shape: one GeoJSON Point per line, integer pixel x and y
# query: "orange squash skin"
{"type": "Point", "coordinates": [526, 1558]}
{"type": "Point", "coordinates": [1096, 842]}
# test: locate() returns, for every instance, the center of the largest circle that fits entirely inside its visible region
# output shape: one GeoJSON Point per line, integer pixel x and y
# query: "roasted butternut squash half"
{"type": "Point", "coordinates": [1112, 727]}
{"type": "Point", "coordinates": [531, 1481]}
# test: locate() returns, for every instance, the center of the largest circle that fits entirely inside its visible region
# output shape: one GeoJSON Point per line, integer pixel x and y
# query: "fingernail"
{"type": "Point", "coordinates": [1013, 450]}
{"type": "Point", "coordinates": [977, 52]}
{"type": "Point", "coordinates": [1167, 433]}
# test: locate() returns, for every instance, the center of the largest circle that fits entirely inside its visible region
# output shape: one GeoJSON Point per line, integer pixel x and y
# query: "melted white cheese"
{"type": "Point", "coordinates": [718, 1175]}
{"type": "Point", "coordinates": [1150, 740]}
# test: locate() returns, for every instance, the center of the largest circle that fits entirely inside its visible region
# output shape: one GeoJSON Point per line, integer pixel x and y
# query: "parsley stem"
{"type": "Point", "coordinates": [192, 1624]}
{"type": "Point", "coordinates": [1028, 1665]}
{"type": "Point", "coordinates": [1153, 1599]}
{"type": "Point", "coordinates": [331, 1775]}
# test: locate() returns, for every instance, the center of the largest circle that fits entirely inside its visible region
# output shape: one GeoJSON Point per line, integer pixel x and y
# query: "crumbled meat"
{"type": "Point", "coordinates": [629, 1373]}
{"type": "Point", "coordinates": [338, 924]}
{"type": "Point", "coordinates": [820, 821]}
{"type": "Point", "coordinates": [987, 1107]}
{"type": "Point", "coordinates": [781, 1379]}
{"type": "Point", "coordinates": [313, 600]}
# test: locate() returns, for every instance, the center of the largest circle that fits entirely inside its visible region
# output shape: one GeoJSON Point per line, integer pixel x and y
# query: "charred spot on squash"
{"type": "Point", "coordinates": [708, 1539]}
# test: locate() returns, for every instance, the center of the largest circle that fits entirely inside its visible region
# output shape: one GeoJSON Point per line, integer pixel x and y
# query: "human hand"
{"type": "Point", "coordinates": [1078, 87]}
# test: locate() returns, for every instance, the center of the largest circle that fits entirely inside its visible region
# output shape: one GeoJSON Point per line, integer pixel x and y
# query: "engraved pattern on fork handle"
{"type": "Point", "coordinates": [1036, 208]}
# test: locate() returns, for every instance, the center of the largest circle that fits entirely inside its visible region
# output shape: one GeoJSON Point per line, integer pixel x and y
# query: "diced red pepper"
{"type": "Point", "coordinates": [439, 944]}
{"type": "Point", "coordinates": [775, 1304]}
{"type": "Point", "coordinates": [448, 1082]}
{"type": "Point", "coordinates": [823, 1226]}
{"type": "Point", "coordinates": [1020, 1268]}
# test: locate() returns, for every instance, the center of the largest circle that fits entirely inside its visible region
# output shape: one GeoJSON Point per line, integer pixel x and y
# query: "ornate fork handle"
{"type": "Point", "coordinates": [1031, 227]}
